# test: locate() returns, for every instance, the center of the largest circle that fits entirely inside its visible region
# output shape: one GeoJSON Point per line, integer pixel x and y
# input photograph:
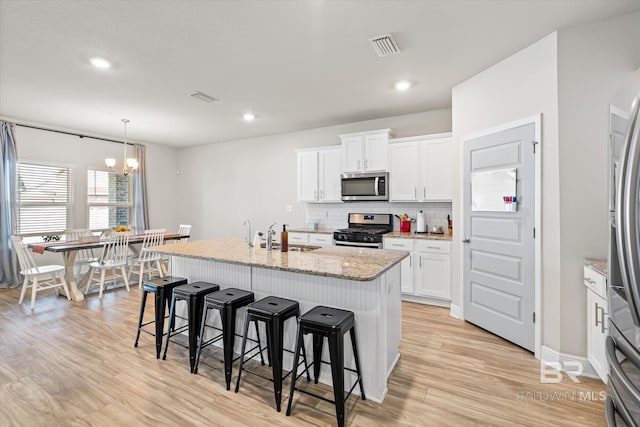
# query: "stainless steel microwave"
{"type": "Point", "coordinates": [365, 186]}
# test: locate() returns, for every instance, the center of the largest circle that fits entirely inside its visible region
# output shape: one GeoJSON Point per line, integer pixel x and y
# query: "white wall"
{"type": "Point", "coordinates": [570, 77]}
{"type": "Point", "coordinates": [86, 153]}
{"type": "Point", "coordinates": [593, 61]}
{"type": "Point", "coordinates": [520, 86]}
{"type": "Point", "coordinates": [222, 184]}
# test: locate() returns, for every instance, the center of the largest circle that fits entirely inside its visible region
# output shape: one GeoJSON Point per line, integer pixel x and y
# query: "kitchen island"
{"type": "Point", "coordinates": [365, 281]}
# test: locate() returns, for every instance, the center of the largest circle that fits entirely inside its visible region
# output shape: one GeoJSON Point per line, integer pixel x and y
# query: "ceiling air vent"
{"type": "Point", "coordinates": [203, 97]}
{"type": "Point", "coordinates": [384, 45]}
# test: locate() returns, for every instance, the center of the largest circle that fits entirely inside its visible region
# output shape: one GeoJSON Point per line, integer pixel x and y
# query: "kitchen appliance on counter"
{"type": "Point", "coordinates": [365, 230]}
{"type": "Point", "coordinates": [365, 186]}
{"type": "Point", "coordinates": [623, 341]}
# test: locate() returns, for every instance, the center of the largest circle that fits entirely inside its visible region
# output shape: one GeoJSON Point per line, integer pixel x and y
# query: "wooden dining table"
{"type": "Point", "coordinates": [69, 250]}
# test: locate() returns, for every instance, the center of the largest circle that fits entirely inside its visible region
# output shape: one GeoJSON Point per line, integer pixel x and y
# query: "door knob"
{"type": "Point", "coordinates": [465, 240]}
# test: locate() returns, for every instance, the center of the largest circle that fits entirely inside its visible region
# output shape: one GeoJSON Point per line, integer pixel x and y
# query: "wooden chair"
{"type": "Point", "coordinates": [148, 262]}
{"type": "Point", "coordinates": [114, 257]}
{"type": "Point", "coordinates": [84, 257]}
{"type": "Point", "coordinates": [34, 275]}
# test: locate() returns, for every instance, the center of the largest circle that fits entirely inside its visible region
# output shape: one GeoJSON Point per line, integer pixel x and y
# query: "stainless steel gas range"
{"type": "Point", "coordinates": [365, 230]}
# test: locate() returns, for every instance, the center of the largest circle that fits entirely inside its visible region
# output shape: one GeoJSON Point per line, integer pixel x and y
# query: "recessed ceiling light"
{"type": "Point", "coordinates": [403, 85]}
{"type": "Point", "coordinates": [100, 63]}
{"type": "Point", "coordinates": [248, 117]}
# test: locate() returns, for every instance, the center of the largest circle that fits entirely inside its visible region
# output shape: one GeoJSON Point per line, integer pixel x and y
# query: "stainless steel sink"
{"type": "Point", "coordinates": [292, 248]}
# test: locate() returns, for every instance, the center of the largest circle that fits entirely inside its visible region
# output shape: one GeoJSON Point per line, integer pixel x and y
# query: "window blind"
{"type": "Point", "coordinates": [45, 196]}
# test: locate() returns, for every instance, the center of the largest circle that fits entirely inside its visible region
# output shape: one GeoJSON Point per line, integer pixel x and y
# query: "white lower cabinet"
{"type": "Point", "coordinates": [426, 273]}
{"type": "Point", "coordinates": [597, 321]}
{"type": "Point", "coordinates": [313, 239]}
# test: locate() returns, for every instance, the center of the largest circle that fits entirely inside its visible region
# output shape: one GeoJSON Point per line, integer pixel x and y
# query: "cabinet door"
{"type": "Point", "coordinates": [435, 168]}
{"type": "Point", "coordinates": [308, 176]}
{"type": "Point", "coordinates": [597, 333]}
{"type": "Point", "coordinates": [406, 266]}
{"type": "Point", "coordinates": [329, 175]}
{"type": "Point", "coordinates": [403, 172]}
{"type": "Point", "coordinates": [433, 275]}
{"type": "Point", "coordinates": [352, 153]}
{"type": "Point", "coordinates": [376, 153]}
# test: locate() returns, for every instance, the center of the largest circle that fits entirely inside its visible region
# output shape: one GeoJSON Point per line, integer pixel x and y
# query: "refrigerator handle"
{"type": "Point", "coordinates": [627, 231]}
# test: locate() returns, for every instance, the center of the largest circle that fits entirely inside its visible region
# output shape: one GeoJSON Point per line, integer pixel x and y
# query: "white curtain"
{"type": "Point", "coordinates": [8, 201]}
{"type": "Point", "coordinates": [140, 212]}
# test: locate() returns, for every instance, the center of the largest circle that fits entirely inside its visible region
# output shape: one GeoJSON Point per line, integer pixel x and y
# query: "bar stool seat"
{"type": "Point", "coordinates": [332, 323]}
{"type": "Point", "coordinates": [274, 311]}
{"type": "Point", "coordinates": [227, 302]}
{"type": "Point", "coordinates": [193, 294]}
{"type": "Point", "coordinates": [162, 288]}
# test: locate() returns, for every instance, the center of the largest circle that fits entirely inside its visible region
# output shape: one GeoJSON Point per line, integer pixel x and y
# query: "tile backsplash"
{"type": "Point", "coordinates": [334, 215]}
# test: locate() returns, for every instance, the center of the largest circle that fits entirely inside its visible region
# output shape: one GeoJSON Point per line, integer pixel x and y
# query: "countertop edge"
{"type": "Point", "coordinates": [292, 270]}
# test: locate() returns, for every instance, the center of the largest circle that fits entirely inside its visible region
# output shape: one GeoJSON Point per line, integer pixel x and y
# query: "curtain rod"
{"type": "Point", "coordinates": [71, 133]}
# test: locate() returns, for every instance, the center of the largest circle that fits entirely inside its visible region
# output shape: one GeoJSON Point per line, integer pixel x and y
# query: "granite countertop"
{"type": "Point", "coordinates": [348, 263]}
{"type": "Point", "coordinates": [599, 265]}
{"type": "Point", "coordinates": [318, 230]}
{"type": "Point", "coordinates": [426, 236]}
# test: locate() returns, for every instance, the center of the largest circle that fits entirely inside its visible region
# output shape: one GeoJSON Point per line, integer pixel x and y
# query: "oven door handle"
{"type": "Point", "coordinates": [359, 244]}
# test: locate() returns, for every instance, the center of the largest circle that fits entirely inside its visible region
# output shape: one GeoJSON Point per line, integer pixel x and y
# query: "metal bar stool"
{"type": "Point", "coordinates": [193, 294]}
{"type": "Point", "coordinates": [162, 288]}
{"type": "Point", "coordinates": [273, 311]}
{"type": "Point", "coordinates": [227, 302]}
{"type": "Point", "coordinates": [332, 323]}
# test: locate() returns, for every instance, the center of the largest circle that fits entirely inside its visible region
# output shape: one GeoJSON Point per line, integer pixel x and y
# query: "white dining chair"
{"type": "Point", "coordinates": [148, 262]}
{"type": "Point", "coordinates": [184, 229]}
{"type": "Point", "coordinates": [84, 257]}
{"type": "Point", "coordinates": [114, 257]}
{"type": "Point", "coordinates": [38, 278]}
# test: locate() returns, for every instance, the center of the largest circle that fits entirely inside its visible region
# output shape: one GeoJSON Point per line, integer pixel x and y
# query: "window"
{"type": "Point", "coordinates": [108, 199]}
{"type": "Point", "coordinates": [45, 197]}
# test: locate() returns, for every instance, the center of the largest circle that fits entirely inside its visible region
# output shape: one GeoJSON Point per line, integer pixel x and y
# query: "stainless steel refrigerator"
{"type": "Point", "coordinates": [623, 342]}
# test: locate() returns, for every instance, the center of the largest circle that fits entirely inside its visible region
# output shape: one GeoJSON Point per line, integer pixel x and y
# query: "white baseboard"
{"type": "Point", "coordinates": [426, 300]}
{"type": "Point", "coordinates": [455, 311]}
{"type": "Point", "coordinates": [551, 356]}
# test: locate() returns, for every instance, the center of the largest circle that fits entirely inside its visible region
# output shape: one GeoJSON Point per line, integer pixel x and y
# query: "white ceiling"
{"type": "Point", "coordinates": [296, 65]}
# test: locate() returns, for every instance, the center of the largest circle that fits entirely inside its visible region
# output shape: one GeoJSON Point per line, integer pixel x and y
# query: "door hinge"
{"type": "Point", "coordinates": [534, 232]}
{"type": "Point", "coordinates": [534, 143]}
{"type": "Point", "coordinates": [534, 317]}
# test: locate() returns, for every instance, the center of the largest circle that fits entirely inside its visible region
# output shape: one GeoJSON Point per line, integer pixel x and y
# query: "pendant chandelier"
{"type": "Point", "coordinates": [129, 164]}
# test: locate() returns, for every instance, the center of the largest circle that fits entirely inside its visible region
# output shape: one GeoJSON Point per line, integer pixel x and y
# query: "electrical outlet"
{"type": "Point", "coordinates": [289, 208]}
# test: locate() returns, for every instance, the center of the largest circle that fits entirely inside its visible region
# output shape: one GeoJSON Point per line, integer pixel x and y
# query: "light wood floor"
{"type": "Point", "coordinates": [73, 364]}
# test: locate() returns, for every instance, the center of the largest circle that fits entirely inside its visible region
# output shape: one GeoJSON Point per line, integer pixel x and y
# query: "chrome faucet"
{"type": "Point", "coordinates": [270, 233]}
{"type": "Point", "coordinates": [248, 238]}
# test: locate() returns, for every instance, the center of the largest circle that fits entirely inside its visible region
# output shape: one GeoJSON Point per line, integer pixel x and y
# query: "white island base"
{"type": "Point", "coordinates": [376, 305]}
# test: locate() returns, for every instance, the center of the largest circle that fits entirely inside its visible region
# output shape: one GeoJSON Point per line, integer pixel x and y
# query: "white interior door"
{"type": "Point", "coordinates": [499, 246]}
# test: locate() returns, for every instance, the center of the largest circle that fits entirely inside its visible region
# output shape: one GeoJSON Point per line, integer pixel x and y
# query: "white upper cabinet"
{"type": "Point", "coordinates": [403, 176]}
{"type": "Point", "coordinates": [420, 168]}
{"type": "Point", "coordinates": [366, 151]}
{"type": "Point", "coordinates": [329, 184]}
{"type": "Point", "coordinates": [319, 175]}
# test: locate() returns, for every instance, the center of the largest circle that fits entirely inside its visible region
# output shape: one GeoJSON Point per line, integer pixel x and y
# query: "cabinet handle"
{"type": "Point", "coordinates": [424, 192]}
{"type": "Point", "coordinates": [433, 247]}
{"type": "Point", "coordinates": [321, 194]}
{"type": "Point", "coordinates": [415, 192]}
{"type": "Point", "coordinates": [358, 165]}
{"type": "Point", "coordinates": [315, 194]}
{"type": "Point", "coordinates": [420, 258]}
{"type": "Point", "coordinates": [366, 163]}
{"type": "Point", "coordinates": [586, 279]}
{"type": "Point", "coordinates": [410, 258]}
{"type": "Point", "coordinates": [397, 245]}
{"type": "Point", "coordinates": [601, 320]}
